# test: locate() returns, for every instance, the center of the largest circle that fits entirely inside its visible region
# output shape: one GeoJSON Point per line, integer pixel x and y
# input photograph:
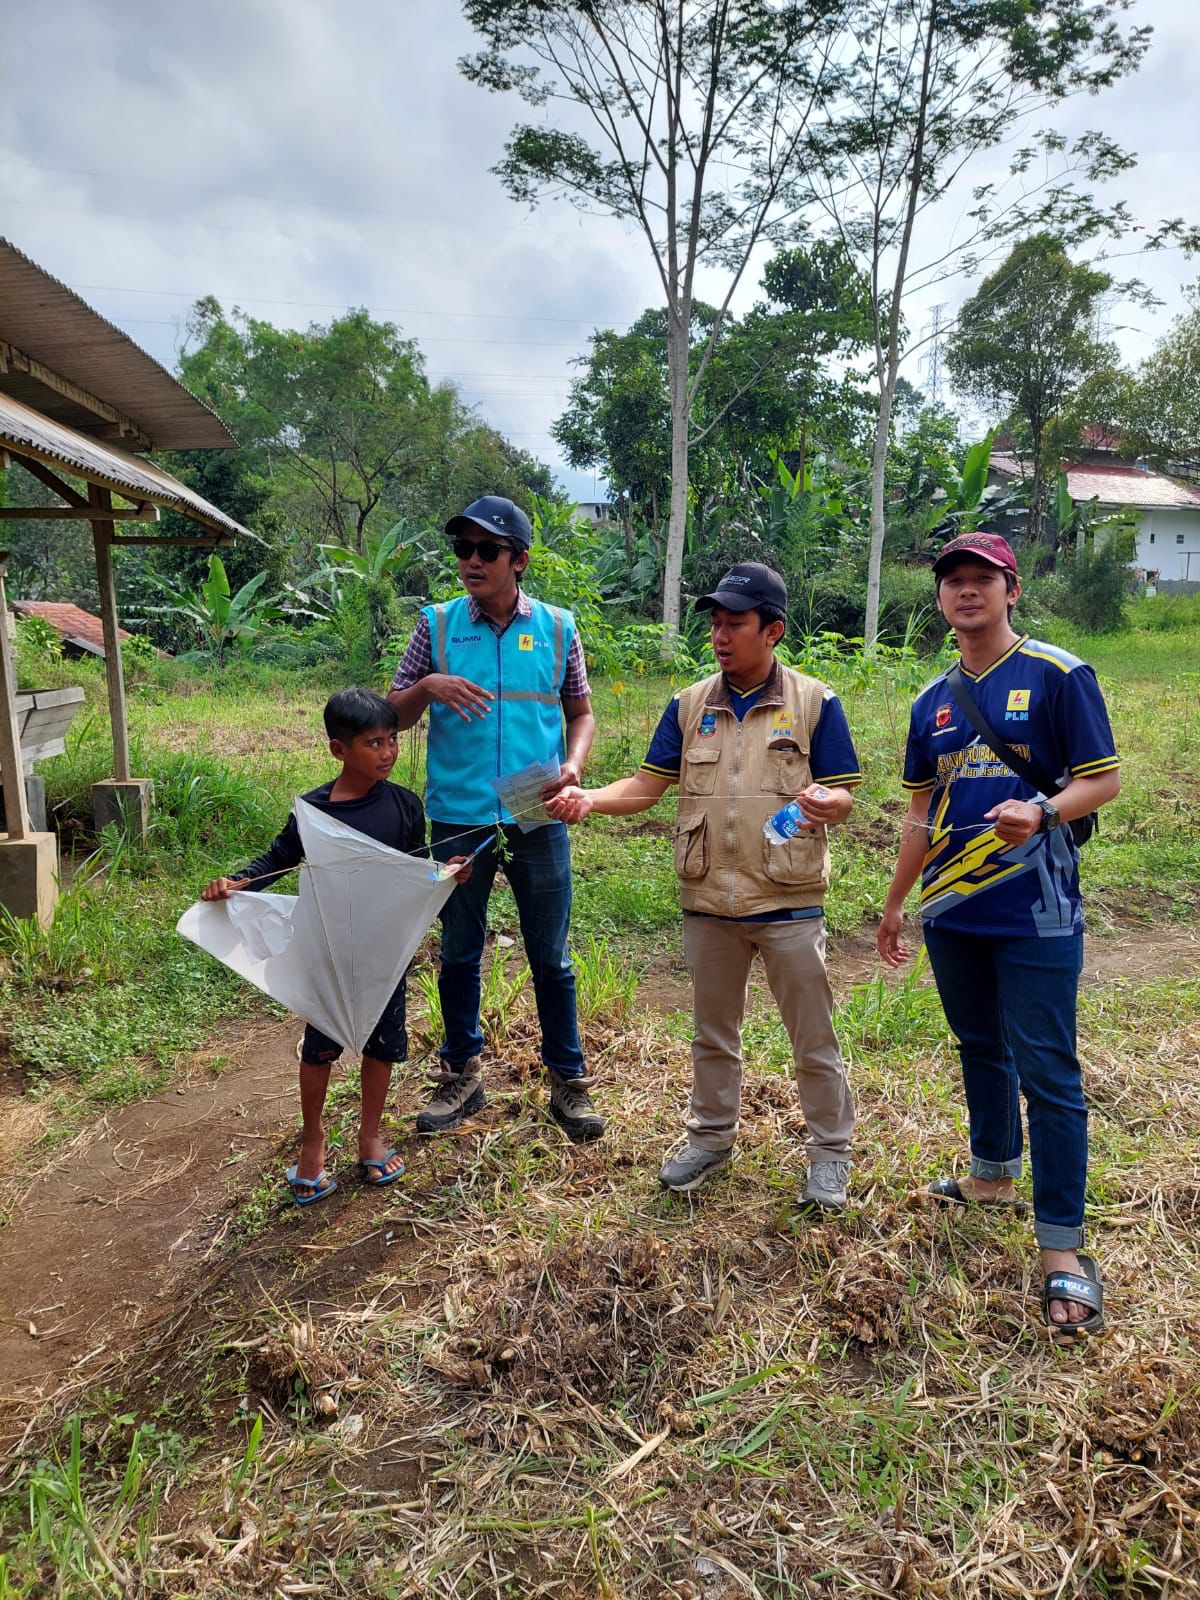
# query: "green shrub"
{"type": "Point", "coordinates": [1096, 579]}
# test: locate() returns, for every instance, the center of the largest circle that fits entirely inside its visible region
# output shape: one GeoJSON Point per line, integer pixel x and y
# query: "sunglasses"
{"type": "Point", "coordinates": [487, 549]}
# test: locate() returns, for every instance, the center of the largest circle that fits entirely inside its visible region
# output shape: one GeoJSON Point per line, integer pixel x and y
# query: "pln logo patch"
{"type": "Point", "coordinates": [944, 713]}
{"type": "Point", "coordinates": [524, 641]}
{"type": "Point", "coordinates": [708, 725]}
{"type": "Point", "coordinates": [781, 726]}
{"type": "Point", "coordinates": [1018, 706]}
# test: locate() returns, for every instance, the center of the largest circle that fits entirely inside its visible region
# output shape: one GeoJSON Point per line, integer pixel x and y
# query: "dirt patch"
{"type": "Point", "coordinates": [105, 1235]}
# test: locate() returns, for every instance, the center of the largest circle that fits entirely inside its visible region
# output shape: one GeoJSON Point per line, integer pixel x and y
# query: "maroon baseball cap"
{"type": "Point", "coordinates": [989, 547]}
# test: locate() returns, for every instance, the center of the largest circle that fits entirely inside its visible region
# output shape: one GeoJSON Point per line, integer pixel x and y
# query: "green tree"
{"type": "Point", "coordinates": [697, 111]}
{"type": "Point", "coordinates": [930, 86]}
{"type": "Point", "coordinates": [1024, 343]}
{"type": "Point", "coordinates": [1160, 411]}
{"type": "Point", "coordinates": [341, 430]}
{"type": "Point", "coordinates": [767, 389]}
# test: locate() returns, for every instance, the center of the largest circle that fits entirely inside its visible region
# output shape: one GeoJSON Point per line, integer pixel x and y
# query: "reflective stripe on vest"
{"type": "Point", "coordinates": [523, 668]}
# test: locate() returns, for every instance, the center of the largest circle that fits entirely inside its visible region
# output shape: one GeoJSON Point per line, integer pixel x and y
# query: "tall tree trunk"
{"type": "Point", "coordinates": [883, 428]}
{"type": "Point", "coordinates": [677, 378]}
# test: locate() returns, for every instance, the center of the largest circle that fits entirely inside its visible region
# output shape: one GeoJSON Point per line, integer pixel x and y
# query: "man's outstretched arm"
{"type": "Point", "coordinates": [624, 798]}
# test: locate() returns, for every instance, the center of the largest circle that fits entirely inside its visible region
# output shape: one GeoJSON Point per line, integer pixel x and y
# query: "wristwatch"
{"type": "Point", "coordinates": [1050, 817]}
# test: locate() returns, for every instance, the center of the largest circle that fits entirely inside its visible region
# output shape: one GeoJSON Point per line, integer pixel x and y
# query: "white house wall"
{"type": "Point", "coordinates": [1169, 543]}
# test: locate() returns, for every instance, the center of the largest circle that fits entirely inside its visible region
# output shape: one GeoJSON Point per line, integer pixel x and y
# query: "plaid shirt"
{"type": "Point", "coordinates": [417, 661]}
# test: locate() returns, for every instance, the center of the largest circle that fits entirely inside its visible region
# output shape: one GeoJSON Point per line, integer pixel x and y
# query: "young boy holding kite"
{"type": "Point", "coordinates": [362, 731]}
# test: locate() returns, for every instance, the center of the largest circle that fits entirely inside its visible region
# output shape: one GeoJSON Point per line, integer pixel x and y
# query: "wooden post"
{"type": "Point", "coordinates": [100, 500]}
{"type": "Point", "coordinates": [11, 773]}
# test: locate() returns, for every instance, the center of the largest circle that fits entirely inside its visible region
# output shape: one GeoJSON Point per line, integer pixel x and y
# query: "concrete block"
{"type": "Point", "coordinates": [35, 801]}
{"type": "Point", "coordinates": [29, 876]}
{"type": "Point", "coordinates": [124, 804]}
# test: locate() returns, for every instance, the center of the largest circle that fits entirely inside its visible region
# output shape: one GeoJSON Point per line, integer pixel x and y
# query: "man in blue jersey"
{"type": "Point", "coordinates": [740, 745]}
{"type": "Point", "coordinates": [500, 675]}
{"type": "Point", "coordinates": [1000, 903]}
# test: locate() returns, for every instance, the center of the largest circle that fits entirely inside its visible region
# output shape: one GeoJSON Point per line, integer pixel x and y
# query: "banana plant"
{"type": "Point", "coordinates": [217, 614]}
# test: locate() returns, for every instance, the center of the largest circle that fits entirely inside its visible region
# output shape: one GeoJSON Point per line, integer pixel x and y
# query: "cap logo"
{"type": "Point", "coordinates": [730, 579]}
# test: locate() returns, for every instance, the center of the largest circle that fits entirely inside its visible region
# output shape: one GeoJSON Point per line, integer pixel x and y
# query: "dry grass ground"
{"type": "Point", "coordinates": [526, 1371]}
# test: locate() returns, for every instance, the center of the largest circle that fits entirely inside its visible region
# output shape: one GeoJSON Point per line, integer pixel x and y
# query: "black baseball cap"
{"type": "Point", "coordinates": [746, 586]}
{"type": "Point", "coordinates": [495, 515]}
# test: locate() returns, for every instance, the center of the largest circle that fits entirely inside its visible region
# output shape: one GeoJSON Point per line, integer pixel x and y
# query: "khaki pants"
{"type": "Point", "coordinates": [719, 955]}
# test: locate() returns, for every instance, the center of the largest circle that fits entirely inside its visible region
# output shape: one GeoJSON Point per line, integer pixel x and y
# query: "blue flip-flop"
{"type": "Point", "coordinates": [384, 1177]}
{"type": "Point", "coordinates": [322, 1186]}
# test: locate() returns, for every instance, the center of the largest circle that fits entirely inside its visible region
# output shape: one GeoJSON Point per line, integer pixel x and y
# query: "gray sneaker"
{"type": "Point", "coordinates": [826, 1185]}
{"type": "Point", "coordinates": [571, 1107]}
{"type": "Point", "coordinates": [458, 1095]}
{"type": "Point", "coordinates": [689, 1166]}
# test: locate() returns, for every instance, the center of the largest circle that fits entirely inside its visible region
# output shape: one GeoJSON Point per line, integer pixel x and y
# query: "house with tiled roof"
{"type": "Point", "coordinates": [81, 633]}
{"type": "Point", "coordinates": [1168, 510]}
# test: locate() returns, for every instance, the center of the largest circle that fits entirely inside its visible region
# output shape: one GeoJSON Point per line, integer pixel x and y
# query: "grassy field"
{"type": "Point", "coordinates": [525, 1370]}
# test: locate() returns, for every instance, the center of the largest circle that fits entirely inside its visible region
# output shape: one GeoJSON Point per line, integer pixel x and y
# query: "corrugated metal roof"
{"type": "Point", "coordinates": [27, 433]}
{"type": "Point", "coordinates": [1115, 485]}
{"type": "Point", "coordinates": [71, 623]}
{"type": "Point", "coordinates": [1132, 487]}
{"type": "Point", "coordinates": [45, 319]}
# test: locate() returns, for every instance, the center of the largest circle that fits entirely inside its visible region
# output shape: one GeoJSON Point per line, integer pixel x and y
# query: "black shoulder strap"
{"type": "Point", "coordinates": [1003, 752]}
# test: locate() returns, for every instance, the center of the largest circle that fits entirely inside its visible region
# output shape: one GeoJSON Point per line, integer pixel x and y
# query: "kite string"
{"type": "Point", "coordinates": [861, 803]}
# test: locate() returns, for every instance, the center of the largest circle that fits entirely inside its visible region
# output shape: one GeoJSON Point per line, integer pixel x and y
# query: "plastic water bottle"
{"type": "Point", "coordinates": [786, 823]}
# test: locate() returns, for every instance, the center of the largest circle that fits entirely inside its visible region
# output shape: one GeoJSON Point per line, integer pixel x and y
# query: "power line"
{"type": "Point", "coordinates": [338, 305]}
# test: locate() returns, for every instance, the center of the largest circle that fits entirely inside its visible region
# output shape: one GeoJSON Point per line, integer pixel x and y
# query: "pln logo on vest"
{"type": "Point", "coordinates": [524, 641]}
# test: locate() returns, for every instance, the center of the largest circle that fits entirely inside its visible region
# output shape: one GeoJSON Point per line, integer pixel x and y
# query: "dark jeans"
{"type": "Point", "coordinates": [1010, 1004]}
{"type": "Point", "coordinates": [538, 869]}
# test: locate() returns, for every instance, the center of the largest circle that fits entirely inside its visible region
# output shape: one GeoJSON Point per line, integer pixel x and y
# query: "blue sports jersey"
{"type": "Point", "coordinates": [1047, 704]}
{"type": "Point", "coordinates": [832, 756]}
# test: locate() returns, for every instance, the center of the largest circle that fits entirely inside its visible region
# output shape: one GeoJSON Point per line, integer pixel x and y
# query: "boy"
{"type": "Point", "coordinates": [741, 745]}
{"type": "Point", "coordinates": [1000, 901]}
{"type": "Point", "coordinates": [362, 734]}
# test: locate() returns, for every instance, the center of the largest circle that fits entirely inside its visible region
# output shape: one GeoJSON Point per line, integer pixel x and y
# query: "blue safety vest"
{"type": "Point", "coordinates": [524, 667]}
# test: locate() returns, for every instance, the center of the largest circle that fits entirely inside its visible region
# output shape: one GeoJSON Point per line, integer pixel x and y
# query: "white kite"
{"type": "Point", "coordinates": [334, 954]}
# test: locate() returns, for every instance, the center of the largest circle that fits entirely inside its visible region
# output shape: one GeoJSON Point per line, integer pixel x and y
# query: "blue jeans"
{"type": "Point", "coordinates": [538, 869]}
{"type": "Point", "coordinates": [1010, 1004]}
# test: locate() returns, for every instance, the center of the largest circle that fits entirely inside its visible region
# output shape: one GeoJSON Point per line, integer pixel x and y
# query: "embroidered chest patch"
{"type": "Point", "coordinates": [524, 641]}
{"type": "Point", "coordinates": [708, 725]}
{"type": "Point", "coordinates": [944, 713]}
{"type": "Point", "coordinates": [781, 727]}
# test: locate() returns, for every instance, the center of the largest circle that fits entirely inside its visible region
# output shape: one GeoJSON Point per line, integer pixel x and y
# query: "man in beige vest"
{"type": "Point", "coordinates": [741, 744]}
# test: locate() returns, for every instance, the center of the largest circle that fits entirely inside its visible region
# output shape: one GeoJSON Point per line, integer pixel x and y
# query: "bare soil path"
{"type": "Point", "coordinates": [115, 1227]}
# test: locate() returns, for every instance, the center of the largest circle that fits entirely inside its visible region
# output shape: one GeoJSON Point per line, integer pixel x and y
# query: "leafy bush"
{"type": "Point", "coordinates": [1096, 578]}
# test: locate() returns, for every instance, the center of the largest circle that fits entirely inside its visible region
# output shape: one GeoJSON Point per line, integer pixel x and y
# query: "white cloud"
{"type": "Point", "coordinates": [298, 157]}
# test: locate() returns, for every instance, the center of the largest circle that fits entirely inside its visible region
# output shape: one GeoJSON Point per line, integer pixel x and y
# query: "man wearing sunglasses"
{"type": "Point", "coordinates": [505, 682]}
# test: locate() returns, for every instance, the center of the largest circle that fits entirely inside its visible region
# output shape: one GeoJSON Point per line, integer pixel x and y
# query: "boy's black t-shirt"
{"type": "Point", "coordinates": [389, 813]}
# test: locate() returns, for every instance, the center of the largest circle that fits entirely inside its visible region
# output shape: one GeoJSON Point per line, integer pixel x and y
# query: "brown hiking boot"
{"type": "Point", "coordinates": [571, 1107]}
{"type": "Point", "coordinates": [458, 1095]}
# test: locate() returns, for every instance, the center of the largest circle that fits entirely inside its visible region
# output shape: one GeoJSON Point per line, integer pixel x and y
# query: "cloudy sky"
{"type": "Point", "coordinates": [297, 157]}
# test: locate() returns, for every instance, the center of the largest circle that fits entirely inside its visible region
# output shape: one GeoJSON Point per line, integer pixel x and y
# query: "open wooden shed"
{"type": "Point", "coordinates": [80, 403]}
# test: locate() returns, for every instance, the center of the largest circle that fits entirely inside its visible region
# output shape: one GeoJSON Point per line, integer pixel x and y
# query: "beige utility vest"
{"type": "Point", "coordinates": [733, 775]}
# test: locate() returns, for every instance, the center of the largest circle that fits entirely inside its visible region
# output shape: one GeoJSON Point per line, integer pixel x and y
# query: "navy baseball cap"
{"type": "Point", "coordinates": [745, 586]}
{"type": "Point", "coordinates": [495, 515]}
